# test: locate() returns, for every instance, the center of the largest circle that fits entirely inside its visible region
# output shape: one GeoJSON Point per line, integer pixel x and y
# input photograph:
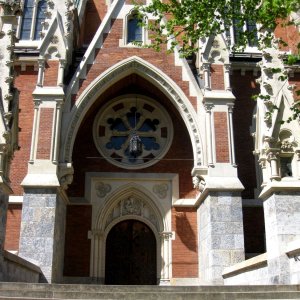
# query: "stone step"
{"type": "Point", "coordinates": [65, 291]}
{"type": "Point", "coordinates": [145, 288]}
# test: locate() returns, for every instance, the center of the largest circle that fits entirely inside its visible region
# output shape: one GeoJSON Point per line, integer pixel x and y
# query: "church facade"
{"type": "Point", "coordinates": [122, 165]}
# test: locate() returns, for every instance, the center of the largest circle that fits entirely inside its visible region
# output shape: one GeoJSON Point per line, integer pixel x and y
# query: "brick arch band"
{"type": "Point", "coordinates": [73, 119]}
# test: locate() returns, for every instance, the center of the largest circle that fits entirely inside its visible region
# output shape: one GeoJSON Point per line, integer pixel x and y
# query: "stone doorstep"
{"type": "Point", "coordinates": [253, 263]}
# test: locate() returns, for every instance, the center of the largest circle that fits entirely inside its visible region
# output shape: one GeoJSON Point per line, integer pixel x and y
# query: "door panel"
{"type": "Point", "coordinates": [130, 254]}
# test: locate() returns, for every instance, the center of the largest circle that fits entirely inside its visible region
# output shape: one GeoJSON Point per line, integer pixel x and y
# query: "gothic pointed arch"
{"type": "Point", "coordinates": [111, 76]}
{"type": "Point", "coordinates": [132, 202]}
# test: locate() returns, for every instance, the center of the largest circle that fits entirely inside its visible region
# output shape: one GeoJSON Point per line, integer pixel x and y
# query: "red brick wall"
{"type": "Point", "coordinates": [184, 247]}
{"type": "Point", "coordinates": [45, 133]}
{"type": "Point", "coordinates": [25, 82]}
{"type": "Point", "coordinates": [243, 88]}
{"type": "Point", "coordinates": [290, 35]}
{"type": "Point", "coordinates": [217, 77]}
{"type": "Point", "coordinates": [221, 135]}
{"type": "Point", "coordinates": [13, 225]}
{"type": "Point", "coordinates": [295, 80]}
{"type": "Point", "coordinates": [51, 72]}
{"type": "Point", "coordinates": [77, 244]}
{"type": "Point", "coordinates": [111, 54]}
{"type": "Point", "coordinates": [94, 14]}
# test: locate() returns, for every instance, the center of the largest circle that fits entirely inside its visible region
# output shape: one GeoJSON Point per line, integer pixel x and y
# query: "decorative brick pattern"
{"type": "Point", "coordinates": [221, 134]}
{"type": "Point", "coordinates": [45, 133]}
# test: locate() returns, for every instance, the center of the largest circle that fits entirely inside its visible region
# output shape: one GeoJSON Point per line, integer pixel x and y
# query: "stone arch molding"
{"type": "Point", "coordinates": [73, 119]}
{"type": "Point", "coordinates": [130, 202]}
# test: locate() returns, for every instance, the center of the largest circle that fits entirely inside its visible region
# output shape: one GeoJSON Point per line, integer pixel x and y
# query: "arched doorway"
{"type": "Point", "coordinates": [130, 254]}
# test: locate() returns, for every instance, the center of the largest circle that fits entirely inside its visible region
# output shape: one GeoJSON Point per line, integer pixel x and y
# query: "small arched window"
{"type": "Point", "coordinates": [134, 29]}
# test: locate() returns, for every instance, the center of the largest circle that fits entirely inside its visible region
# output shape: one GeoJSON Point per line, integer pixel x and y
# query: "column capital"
{"type": "Point", "coordinates": [166, 235]}
{"type": "Point", "coordinates": [208, 107]}
{"type": "Point", "coordinates": [272, 154]}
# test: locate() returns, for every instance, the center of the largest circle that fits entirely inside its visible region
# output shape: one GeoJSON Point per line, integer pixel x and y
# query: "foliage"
{"type": "Point", "coordinates": [190, 20]}
{"type": "Point", "coordinates": [185, 22]}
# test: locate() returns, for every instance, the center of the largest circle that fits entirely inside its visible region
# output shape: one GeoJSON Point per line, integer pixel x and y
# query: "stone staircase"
{"type": "Point", "coordinates": [36, 291]}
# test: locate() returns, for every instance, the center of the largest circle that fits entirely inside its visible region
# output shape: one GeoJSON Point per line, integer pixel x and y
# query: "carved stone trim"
{"type": "Point", "coordinates": [161, 190]}
{"type": "Point", "coordinates": [102, 189]}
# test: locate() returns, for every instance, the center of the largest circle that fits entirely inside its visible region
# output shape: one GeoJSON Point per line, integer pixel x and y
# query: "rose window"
{"type": "Point", "coordinates": [133, 132]}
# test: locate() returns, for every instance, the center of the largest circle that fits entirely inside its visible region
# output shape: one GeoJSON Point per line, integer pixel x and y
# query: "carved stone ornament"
{"type": "Point", "coordinates": [161, 190]}
{"type": "Point", "coordinates": [286, 146]}
{"type": "Point", "coordinates": [102, 189]}
{"type": "Point", "coordinates": [132, 206]}
{"type": "Point", "coordinates": [216, 44]}
{"type": "Point", "coordinates": [199, 183]}
{"type": "Point", "coordinates": [66, 180]}
{"type": "Point", "coordinates": [10, 7]}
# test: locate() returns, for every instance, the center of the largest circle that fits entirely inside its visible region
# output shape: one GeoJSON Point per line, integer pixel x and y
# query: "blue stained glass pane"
{"type": "Point", "coordinates": [149, 125]}
{"type": "Point", "coordinates": [117, 124]}
{"type": "Point", "coordinates": [116, 142]}
{"type": "Point", "coordinates": [40, 17]}
{"type": "Point", "coordinates": [134, 30]}
{"type": "Point", "coordinates": [150, 143]}
{"type": "Point", "coordinates": [26, 20]}
{"type": "Point", "coordinates": [133, 117]}
{"type": "Point", "coordinates": [251, 27]}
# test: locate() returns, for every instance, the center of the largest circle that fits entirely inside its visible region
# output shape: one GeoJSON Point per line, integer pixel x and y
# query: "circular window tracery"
{"type": "Point", "coordinates": [121, 119]}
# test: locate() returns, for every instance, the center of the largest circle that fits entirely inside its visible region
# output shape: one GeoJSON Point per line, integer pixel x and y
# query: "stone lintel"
{"type": "Point", "coordinates": [218, 97]}
{"type": "Point", "coordinates": [56, 92]}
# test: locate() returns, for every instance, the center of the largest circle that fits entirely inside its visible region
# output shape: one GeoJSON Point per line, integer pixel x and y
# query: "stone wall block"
{"type": "Point", "coordinates": [236, 256]}
{"type": "Point", "coordinates": [236, 213]}
{"type": "Point", "coordinates": [42, 232]}
{"type": "Point", "coordinates": [219, 257]}
{"type": "Point", "coordinates": [221, 241]}
{"type": "Point", "coordinates": [239, 241]}
{"type": "Point", "coordinates": [227, 241]}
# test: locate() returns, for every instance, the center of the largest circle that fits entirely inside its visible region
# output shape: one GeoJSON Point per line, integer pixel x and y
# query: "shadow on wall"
{"type": "Point", "coordinates": [185, 231]}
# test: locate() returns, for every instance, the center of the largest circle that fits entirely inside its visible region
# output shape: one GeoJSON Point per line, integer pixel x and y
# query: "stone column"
{"type": "Point", "coordinates": [221, 237]}
{"type": "Point", "coordinates": [43, 231]}
{"type": "Point", "coordinates": [166, 258]}
{"type": "Point", "coordinates": [282, 224]}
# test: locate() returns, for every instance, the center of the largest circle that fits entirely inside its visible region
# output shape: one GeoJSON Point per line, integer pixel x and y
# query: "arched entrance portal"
{"type": "Point", "coordinates": [130, 254]}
